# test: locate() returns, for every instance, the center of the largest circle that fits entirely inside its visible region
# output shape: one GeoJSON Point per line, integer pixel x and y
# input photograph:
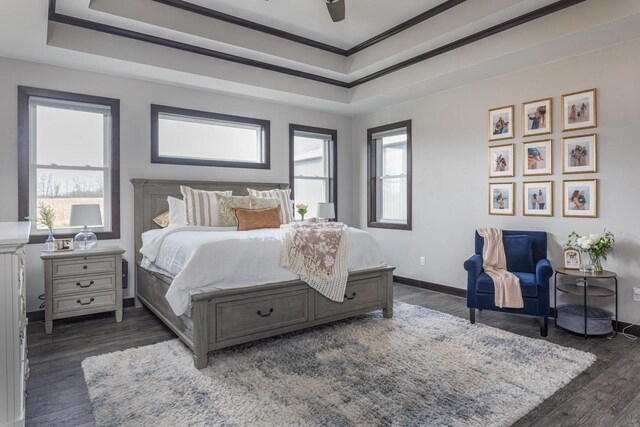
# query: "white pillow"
{"type": "Point", "coordinates": [176, 211]}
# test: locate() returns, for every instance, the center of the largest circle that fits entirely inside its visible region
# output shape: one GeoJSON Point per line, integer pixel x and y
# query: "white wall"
{"type": "Point", "coordinates": [135, 97]}
{"type": "Point", "coordinates": [450, 167]}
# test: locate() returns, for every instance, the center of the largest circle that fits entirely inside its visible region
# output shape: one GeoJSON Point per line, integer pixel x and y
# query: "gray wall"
{"type": "Point", "coordinates": [450, 167]}
{"type": "Point", "coordinates": [135, 97]}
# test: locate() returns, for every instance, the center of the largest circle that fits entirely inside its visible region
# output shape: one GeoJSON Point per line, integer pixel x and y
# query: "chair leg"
{"type": "Point", "coordinates": [472, 315]}
{"type": "Point", "coordinates": [544, 326]}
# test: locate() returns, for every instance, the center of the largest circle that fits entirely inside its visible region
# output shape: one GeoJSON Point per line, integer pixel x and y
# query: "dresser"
{"type": "Point", "coordinates": [14, 366]}
{"type": "Point", "coordinates": [82, 282]}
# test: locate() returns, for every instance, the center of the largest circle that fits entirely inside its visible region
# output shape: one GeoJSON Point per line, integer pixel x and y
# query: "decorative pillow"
{"type": "Point", "coordinates": [284, 196]}
{"type": "Point", "coordinates": [263, 203]}
{"type": "Point", "coordinates": [517, 250]}
{"type": "Point", "coordinates": [227, 203]}
{"type": "Point", "coordinates": [254, 219]}
{"type": "Point", "coordinates": [162, 220]}
{"type": "Point", "coordinates": [176, 211]}
{"type": "Point", "coordinates": [201, 207]}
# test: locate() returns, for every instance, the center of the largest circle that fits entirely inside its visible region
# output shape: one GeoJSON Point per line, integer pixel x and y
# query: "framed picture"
{"type": "Point", "coordinates": [572, 259]}
{"type": "Point", "coordinates": [60, 245]}
{"type": "Point", "coordinates": [537, 198]}
{"type": "Point", "coordinates": [579, 110]}
{"type": "Point", "coordinates": [537, 158]}
{"type": "Point", "coordinates": [501, 123]}
{"type": "Point", "coordinates": [580, 198]}
{"type": "Point", "coordinates": [502, 198]}
{"type": "Point", "coordinates": [501, 161]}
{"type": "Point", "coordinates": [536, 117]}
{"type": "Point", "coordinates": [579, 154]}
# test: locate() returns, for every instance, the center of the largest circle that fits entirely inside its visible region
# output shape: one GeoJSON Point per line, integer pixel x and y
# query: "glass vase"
{"type": "Point", "coordinates": [48, 244]}
{"type": "Point", "coordinates": [596, 263]}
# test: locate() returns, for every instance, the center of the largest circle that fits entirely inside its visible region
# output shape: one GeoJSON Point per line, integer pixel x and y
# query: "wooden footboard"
{"type": "Point", "coordinates": [225, 318]}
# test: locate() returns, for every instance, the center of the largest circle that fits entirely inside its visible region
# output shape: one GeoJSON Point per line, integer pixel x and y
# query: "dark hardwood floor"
{"type": "Point", "coordinates": [606, 394]}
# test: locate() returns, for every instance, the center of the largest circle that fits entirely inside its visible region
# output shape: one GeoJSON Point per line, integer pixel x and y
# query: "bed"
{"type": "Point", "coordinates": [233, 315]}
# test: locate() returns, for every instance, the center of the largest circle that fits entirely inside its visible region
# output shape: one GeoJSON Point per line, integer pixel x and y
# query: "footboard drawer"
{"type": "Point", "coordinates": [254, 315]}
{"type": "Point", "coordinates": [358, 295]}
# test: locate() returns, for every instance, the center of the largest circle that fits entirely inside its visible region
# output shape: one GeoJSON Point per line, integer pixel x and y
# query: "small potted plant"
{"type": "Point", "coordinates": [595, 245]}
{"type": "Point", "coordinates": [302, 209]}
{"type": "Point", "coordinates": [46, 216]}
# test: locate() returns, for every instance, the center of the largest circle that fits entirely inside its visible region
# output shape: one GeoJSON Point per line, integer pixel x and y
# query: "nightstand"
{"type": "Point", "coordinates": [82, 282]}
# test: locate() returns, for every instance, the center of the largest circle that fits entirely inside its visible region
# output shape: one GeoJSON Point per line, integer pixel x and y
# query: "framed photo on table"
{"type": "Point", "coordinates": [537, 198]}
{"type": "Point", "coordinates": [537, 158]}
{"type": "Point", "coordinates": [579, 110]}
{"type": "Point", "coordinates": [501, 162]}
{"type": "Point", "coordinates": [579, 154]}
{"type": "Point", "coordinates": [501, 123]}
{"type": "Point", "coordinates": [537, 117]}
{"type": "Point", "coordinates": [572, 259]}
{"type": "Point", "coordinates": [580, 198]}
{"type": "Point", "coordinates": [502, 198]}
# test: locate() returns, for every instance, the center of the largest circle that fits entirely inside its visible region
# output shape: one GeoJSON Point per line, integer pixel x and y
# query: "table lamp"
{"type": "Point", "coordinates": [326, 211]}
{"type": "Point", "coordinates": [85, 216]}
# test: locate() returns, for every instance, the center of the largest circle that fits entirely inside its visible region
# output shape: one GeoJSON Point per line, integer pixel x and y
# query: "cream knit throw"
{"type": "Point", "coordinates": [317, 252]}
{"type": "Point", "coordinates": [506, 285]}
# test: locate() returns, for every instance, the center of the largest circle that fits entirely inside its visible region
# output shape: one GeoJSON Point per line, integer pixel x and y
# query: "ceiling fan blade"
{"type": "Point", "coordinates": [336, 9]}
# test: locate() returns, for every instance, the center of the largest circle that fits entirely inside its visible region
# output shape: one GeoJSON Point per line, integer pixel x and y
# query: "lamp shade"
{"type": "Point", "coordinates": [85, 215]}
{"type": "Point", "coordinates": [326, 210]}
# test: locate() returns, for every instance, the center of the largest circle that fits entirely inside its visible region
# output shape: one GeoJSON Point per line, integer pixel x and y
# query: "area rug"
{"type": "Point", "coordinates": [422, 367]}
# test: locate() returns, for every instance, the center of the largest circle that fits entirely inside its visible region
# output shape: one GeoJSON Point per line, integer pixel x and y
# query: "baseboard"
{"type": "Point", "coordinates": [35, 316]}
{"type": "Point", "coordinates": [450, 290]}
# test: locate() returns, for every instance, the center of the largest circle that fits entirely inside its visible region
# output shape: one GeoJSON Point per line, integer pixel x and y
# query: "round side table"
{"type": "Point", "coordinates": [586, 291]}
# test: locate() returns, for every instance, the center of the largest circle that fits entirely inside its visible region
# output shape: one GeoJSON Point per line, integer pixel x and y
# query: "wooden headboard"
{"type": "Point", "coordinates": [150, 199]}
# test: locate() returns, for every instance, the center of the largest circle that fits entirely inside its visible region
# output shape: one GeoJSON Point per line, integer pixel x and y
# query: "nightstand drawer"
{"type": "Point", "coordinates": [84, 284]}
{"type": "Point", "coordinates": [86, 265]}
{"type": "Point", "coordinates": [84, 302]}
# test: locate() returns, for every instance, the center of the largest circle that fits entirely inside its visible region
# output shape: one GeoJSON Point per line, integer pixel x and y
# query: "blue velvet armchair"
{"type": "Point", "coordinates": [526, 253]}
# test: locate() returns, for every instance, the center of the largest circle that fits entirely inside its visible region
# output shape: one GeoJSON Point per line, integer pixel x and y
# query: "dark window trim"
{"type": "Point", "coordinates": [24, 94]}
{"type": "Point", "coordinates": [480, 35]}
{"type": "Point", "coordinates": [372, 181]}
{"type": "Point", "coordinates": [156, 158]}
{"type": "Point", "coordinates": [333, 159]}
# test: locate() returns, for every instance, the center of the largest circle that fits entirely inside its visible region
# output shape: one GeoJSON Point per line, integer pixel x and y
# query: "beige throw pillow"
{"type": "Point", "coordinates": [162, 220]}
{"type": "Point", "coordinates": [227, 204]}
{"type": "Point", "coordinates": [201, 207]}
{"type": "Point", "coordinates": [284, 196]}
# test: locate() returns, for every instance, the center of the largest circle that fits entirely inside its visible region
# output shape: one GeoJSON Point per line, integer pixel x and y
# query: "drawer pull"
{"type": "Point", "coordinates": [85, 303]}
{"type": "Point", "coordinates": [85, 267]}
{"type": "Point", "coordinates": [352, 296]}
{"type": "Point", "coordinates": [265, 315]}
{"type": "Point", "coordinates": [84, 286]}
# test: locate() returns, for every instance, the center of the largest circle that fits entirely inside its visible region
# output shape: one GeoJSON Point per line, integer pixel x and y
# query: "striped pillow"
{"type": "Point", "coordinates": [201, 207]}
{"type": "Point", "coordinates": [286, 204]}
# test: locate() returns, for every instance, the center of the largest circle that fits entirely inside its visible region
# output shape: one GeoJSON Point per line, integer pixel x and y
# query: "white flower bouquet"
{"type": "Point", "coordinates": [597, 246]}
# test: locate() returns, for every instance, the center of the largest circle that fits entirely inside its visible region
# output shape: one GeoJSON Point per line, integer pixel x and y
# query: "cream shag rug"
{"type": "Point", "coordinates": [422, 367]}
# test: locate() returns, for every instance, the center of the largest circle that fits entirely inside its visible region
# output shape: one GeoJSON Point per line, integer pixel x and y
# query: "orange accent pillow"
{"type": "Point", "coordinates": [254, 219]}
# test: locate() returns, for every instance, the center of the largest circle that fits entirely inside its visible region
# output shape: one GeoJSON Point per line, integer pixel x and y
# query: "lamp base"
{"type": "Point", "coordinates": [86, 239]}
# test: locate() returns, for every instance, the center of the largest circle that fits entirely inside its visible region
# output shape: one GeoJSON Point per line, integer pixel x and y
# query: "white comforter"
{"type": "Point", "coordinates": [203, 259]}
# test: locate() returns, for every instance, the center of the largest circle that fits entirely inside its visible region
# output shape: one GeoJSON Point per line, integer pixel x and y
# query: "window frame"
{"type": "Point", "coordinates": [25, 198]}
{"type": "Point", "coordinates": [332, 161]}
{"type": "Point", "coordinates": [372, 178]}
{"type": "Point", "coordinates": [156, 110]}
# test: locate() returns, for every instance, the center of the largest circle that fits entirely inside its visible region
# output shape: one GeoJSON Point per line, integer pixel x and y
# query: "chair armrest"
{"type": "Point", "coordinates": [474, 265]}
{"type": "Point", "coordinates": [544, 271]}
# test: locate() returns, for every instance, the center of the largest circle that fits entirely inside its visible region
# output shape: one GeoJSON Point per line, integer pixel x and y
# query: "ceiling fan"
{"type": "Point", "coordinates": [336, 9]}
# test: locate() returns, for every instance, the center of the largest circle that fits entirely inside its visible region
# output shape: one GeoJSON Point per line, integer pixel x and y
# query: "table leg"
{"type": "Point", "coordinates": [555, 297]}
{"type": "Point", "coordinates": [615, 329]}
{"type": "Point", "coordinates": [585, 308]}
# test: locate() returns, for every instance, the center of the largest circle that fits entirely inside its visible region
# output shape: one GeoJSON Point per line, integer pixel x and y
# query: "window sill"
{"type": "Point", "coordinates": [389, 225]}
{"type": "Point", "coordinates": [41, 238]}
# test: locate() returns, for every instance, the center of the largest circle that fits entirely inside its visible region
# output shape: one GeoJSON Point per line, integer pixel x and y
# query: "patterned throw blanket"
{"type": "Point", "coordinates": [317, 252]}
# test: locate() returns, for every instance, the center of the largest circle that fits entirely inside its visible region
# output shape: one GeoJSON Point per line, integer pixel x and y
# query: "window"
{"type": "Point", "coordinates": [313, 164]}
{"type": "Point", "coordinates": [189, 137]}
{"type": "Point", "coordinates": [68, 154]}
{"type": "Point", "coordinates": [389, 170]}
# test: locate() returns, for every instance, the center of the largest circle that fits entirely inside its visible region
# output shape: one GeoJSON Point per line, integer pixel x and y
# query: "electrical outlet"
{"type": "Point", "coordinates": [636, 294]}
{"type": "Point", "coordinates": [423, 261]}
